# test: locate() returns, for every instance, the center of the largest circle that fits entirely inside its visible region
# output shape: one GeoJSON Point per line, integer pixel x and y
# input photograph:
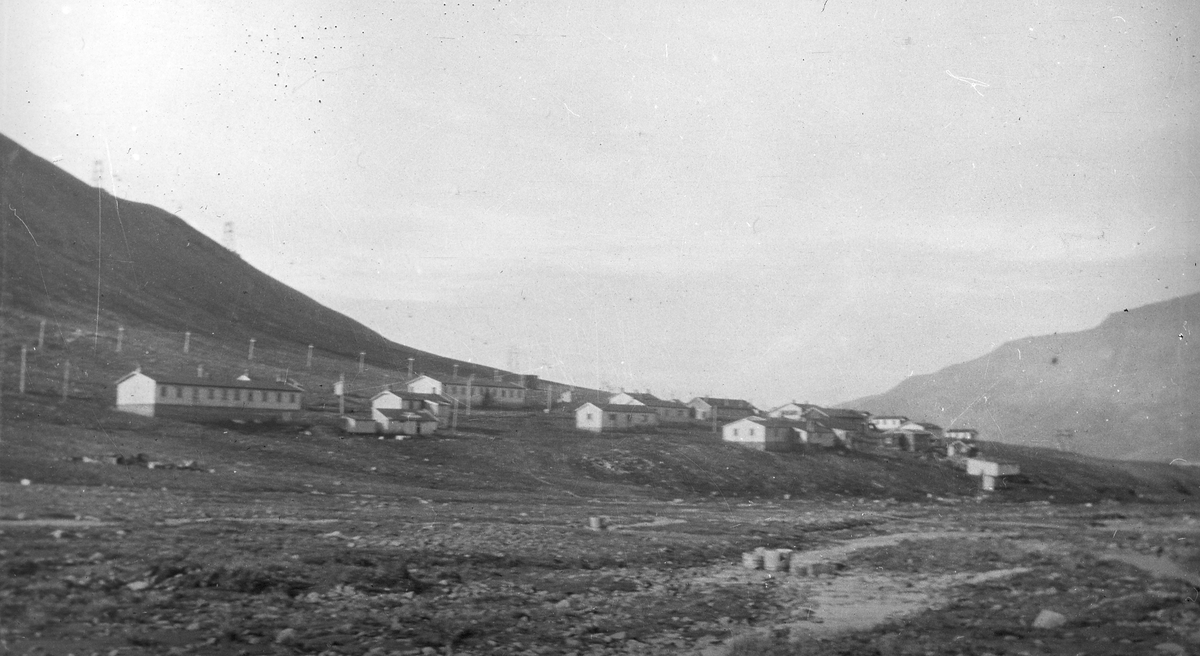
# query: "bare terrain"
{"type": "Point", "coordinates": [295, 539]}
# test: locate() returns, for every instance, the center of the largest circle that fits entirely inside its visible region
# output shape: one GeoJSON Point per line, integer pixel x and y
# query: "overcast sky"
{"type": "Point", "coordinates": [801, 200]}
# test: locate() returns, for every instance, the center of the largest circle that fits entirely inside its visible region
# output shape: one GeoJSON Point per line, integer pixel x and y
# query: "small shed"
{"type": "Point", "coordinates": [359, 425]}
{"type": "Point", "coordinates": [981, 467]}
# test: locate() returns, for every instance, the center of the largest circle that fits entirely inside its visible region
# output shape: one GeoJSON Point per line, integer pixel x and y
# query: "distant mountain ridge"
{"type": "Point", "coordinates": [77, 251]}
{"type": "Point", "coordinates": [1127, 389]}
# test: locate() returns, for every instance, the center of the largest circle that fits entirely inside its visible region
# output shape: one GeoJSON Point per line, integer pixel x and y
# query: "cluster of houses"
{"type": "Point", "coordinates": [427, 404]}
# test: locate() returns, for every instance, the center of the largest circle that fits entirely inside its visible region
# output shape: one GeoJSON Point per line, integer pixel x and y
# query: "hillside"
{"type": "Point", "coordinates": [1126, 389]}
{"type": "Point", "coordinates": [80, 257]}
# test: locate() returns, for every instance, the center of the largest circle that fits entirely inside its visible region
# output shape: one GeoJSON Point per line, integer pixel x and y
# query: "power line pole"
{"type": "Point", "coordinates": [308, 362]}
{"type": "Point", "coordinates": [187, 340]}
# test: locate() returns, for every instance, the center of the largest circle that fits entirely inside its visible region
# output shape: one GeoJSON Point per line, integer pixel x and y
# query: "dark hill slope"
{"type": "Point", "coordinates": [1128, 388]}
{"type": "Point", "coordinates": [76, 249]}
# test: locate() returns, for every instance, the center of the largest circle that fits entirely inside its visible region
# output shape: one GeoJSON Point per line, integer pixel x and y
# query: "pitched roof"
{"type": "Point", "coordinates": [802, 406]}
{"type": "Point", "coordinates": [165, 378]}
{"type": "Point", "coordinates": [842, 413]}
{"type": "Point", "coordinates": [614, 407]}
{"type": "Point", "coordinates": [407, 415]}
{"type": "Point", "coordinates": [737, 404]}
{"type": "Point", "coordinates": [654, 401]}
{"type": "Point", "coordinates": [416, 396]}
{"type": "Point", "coordinates": [480, 382]}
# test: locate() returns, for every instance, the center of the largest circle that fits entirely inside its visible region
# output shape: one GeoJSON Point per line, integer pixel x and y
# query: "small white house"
{"type": "Point", "coordinates": [764, 433]}
{"type": "Point", "coordinates": [424, 385]}
{"type": "Point", "coordinates": [981, 467]}
{"type": "Point", "coordinates": [359, 425]}
{"type": "Point", "coordinates": [933, 430]}
{"type": "Point", "coordinates": [206, 399]}
{"type": "Point", "coordinates": [603, 417]}
{"type": "Point", "coordinates": [484, 393]}
{"type": "Point", "coordinates": [706, 408]}
{"type": "Point", "coordinates": [393, 421]}
{"type": "Point", "coordinates": [435, 404]}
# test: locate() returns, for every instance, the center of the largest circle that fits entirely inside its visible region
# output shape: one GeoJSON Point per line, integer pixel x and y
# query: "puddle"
{"type": "Point", "coordinates": [1159, 567]}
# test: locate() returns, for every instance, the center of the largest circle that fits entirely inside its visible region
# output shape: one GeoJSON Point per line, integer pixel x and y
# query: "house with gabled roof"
{"type": "Point", "coordinates": [603, 417]}
{"type": "Point", "coordinates": [669, 412]}
{"type": "Point", "coordinates": [790, 410]}
{"type": "Point", "coordinates": [934, 431]}
{"type": "Point", "coordinates": [706, 408]}
{"type": "Point", "coordinates": [763, 433]}
{"type": "Point", "coordinates": [206, 398]}
{"type": "Point", "coordinates": [436, 404]}
{"type": "Point", "coordinates": [424, 384]}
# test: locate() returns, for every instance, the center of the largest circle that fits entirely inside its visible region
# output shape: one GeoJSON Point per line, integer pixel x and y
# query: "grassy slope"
{"type": "Point", "coordinates": [1127, 388]}
{"type": "Point", "coordinates": [83, 258]}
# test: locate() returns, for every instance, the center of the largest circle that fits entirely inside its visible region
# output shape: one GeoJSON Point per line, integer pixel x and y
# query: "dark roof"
{"type": "Point", "coordinates": [614, 407]}
{"type": "Point", "coordinates": [655, 402]}
{"type": "Point", "coordinates": [962, 430]}
{"type": "Point", "coordinates": [715, 402]}
{"type": "Point", "coordinates": [878, 417]}
{"type": "Point", "coordinates": [231, 383]}
{"type": "Point", "coordinates": [418, 396]}
{"type": "Point", "coordinates": [407, 415]}
{"type": "Point", "coordinates": [480, 382]}
{"type": "Point", "coordinates": [773, 422]}
{"type": "Point", "coordinates": [842, 413]}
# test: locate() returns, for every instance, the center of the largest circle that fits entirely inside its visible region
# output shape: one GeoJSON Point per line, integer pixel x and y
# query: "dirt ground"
{"type": "Point", "coordinates": [99, 569]}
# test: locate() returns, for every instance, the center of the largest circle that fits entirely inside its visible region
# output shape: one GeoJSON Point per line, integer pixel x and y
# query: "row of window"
{"type": "Point", "coordinates": [211, 393]}
{"type": "Point", "coordinates": [476, 390]}
{"type": "Point", "coordinates": [749, 431]}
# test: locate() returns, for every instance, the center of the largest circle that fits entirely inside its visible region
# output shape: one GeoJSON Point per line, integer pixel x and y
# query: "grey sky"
{"type": "Point", "coordinates": [800, 200]}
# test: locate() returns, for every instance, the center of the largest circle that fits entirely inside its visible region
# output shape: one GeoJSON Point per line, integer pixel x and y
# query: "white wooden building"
{"type": "Point", "coordinates": [484, 393]}
{"type": "Point", "coordinates": [436, 404]}
{"type": "Point", "coordinates": [602, 417]}
{"type": "Point", "coordinates": [964, 434]}
{"type": "Point", "coordinates": [705, 408]}
{"type": "Point", "coordinates": [791, 410]}
{"type": "Point", "coordinates": [424, 385]}
{"type": "Point", "coordinates": [153, 394]}
{"type": "Point", "coordinates": [888, 422]}
{"type": "Point", "coordinates": [764, 433]}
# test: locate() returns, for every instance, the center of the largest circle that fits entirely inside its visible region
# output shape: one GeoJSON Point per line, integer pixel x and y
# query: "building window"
{"type": "Point", "coordinates": [237, 395]}
{"type": "Point", "coordinates": [589, 416]}
{"type": "Point", "coordinates": [612, 417]}
{"type": "Point", "coordinates": [211, 393]}
{"type": "Point", "coordinates": [179, 392]}
{"type": "Point", "coordinates": [735, 432]}
{"type": "Point", "coordinates": [162, 391]}
{"type": "Point", "coordinates": [292, 398]}
{"type": "Point", "coordinates": [279, 397]}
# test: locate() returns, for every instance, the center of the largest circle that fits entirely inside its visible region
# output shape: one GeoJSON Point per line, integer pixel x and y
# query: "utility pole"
{"type": "Point", "coordinates": [470, 382]}
{"type": "Point", "coordinates": [41, 335]}
{"type": "Point", "coordinates": [120, 337]}
{"type": "Point", "coordinates": [21, 380]}
{"type": "Point", "coordinates": [362, 356]}
{"type": "Point", "coordinates": [308, 362]}
{"type": "Point", "coordinates": [66, 379]}
{"type": "Point", "coordinates": [187, 340]}
{"type": "Point", "coordinates": [340, 389]}
{"type": "Point", "coordinates": [410, 368]}
{"type": "Point", "coordinates": [250, 355]}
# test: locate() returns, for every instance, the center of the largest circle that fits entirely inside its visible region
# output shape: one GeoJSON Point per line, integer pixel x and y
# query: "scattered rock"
{"type": "Point", "coordinates": [1170, 648]}
{"type": "Point", "coordinates": [286, 636]}
{"type": "Point", "coordinates": [138, 585]}
{"type": "Point", "coordinates": [1048, 619]}
{"type": "Point", "coordinates": [26, 482]}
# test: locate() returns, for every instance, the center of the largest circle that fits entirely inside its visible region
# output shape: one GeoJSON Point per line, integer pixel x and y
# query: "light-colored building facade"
{"type": "Point", "coordinates": [763, 433]}
{"type": "Point", "coordinates": [602, 417]}
{"type": "Point", "coordinates": [206, 399]}
{"type": "Point", "coordinates": [888, 422]}
{"type": "Point", "coordinates": [424, 385]}
{"type": "Point", "coordinates": [436, 404]}
{"type": "Point", "coordinates": [964, 434]}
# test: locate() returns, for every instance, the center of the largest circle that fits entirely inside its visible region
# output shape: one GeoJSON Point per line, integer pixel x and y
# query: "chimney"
{"type": "Point", "coordinates": [455, 375]}
{"type": "Point", "coordinates": [496, 375]}
{"type": "Point", "coordinates": [245, 375]}
{"type": "Point", "coordinates": [199, 371]}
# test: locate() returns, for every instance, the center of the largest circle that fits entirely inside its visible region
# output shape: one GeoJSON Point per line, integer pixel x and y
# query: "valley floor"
{"type": "Point", "coordinates": [153, 571]}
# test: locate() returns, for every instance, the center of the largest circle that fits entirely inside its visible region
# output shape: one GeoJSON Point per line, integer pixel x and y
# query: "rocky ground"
{"type": "Point", "coordinates": [138, 571]}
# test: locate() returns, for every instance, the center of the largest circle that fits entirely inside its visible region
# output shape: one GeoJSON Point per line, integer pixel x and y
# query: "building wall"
{"type": "Point", "coordinates": [424, 385]}
{"type": "Point", "coordinates": [589, 418]}
{"type": "Point", "coordinates": [136, 394]}
{"type": "Point", "coordinates": [756, 435]}
{"type": "Point", "coordinates": [887, 423]}
{"type": "Point", "coordinates": [200, 395]}
{"type": "Point", "coordinates": [673, 415]}
{"type": "Point", "coordinates": [787, 412]}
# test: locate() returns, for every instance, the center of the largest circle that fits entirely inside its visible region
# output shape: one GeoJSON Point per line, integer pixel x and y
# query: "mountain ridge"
{"type": "Point", "coordinates": [1126, 388]}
